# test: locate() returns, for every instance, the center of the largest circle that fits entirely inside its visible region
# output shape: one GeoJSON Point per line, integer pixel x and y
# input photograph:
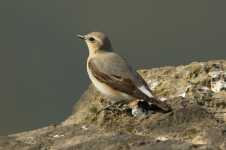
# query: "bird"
{"type": "Point", "coordinates": [111, 74]}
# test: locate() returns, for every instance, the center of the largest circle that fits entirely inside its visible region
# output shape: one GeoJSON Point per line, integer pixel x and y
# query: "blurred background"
{"type": "Point", "coordinates": [42, 63]}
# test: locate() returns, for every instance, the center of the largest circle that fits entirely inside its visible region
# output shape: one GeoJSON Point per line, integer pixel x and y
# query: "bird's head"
{"type": "Point", "coordinates": [96, 41]}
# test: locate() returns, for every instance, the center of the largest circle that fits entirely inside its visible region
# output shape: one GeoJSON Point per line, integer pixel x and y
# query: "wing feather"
{"type": "Point", "coordinates": [117, 82]}
{"type": "Point", "coordinates": [127, 85]}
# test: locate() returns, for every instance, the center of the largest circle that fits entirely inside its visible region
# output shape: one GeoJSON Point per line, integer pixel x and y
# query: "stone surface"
{"type": "Point", "coordinates": [196, 92]}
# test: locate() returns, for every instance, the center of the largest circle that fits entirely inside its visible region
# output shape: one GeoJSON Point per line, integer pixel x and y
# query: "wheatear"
{"type": "Point", "coordinates": [112, 75]}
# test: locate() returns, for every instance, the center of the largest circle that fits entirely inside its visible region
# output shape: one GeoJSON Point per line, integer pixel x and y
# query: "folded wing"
{"type": "Point", "coordinates": [137, 89]}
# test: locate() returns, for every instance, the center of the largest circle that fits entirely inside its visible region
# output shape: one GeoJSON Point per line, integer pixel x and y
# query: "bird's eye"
{"type": "Point", "coordinates": [91, 39]}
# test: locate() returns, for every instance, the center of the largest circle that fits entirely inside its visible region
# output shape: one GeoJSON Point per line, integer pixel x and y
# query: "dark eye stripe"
{"type": "Point", "coordinates": [91, 39]}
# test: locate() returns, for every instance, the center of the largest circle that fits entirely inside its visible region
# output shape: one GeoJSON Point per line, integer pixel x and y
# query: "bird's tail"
{"type": "Point", "coordinates": [160, 104]}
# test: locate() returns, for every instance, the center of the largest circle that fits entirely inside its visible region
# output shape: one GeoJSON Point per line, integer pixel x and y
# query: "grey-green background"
{"type": "Point", "coordinates": [43, 64]}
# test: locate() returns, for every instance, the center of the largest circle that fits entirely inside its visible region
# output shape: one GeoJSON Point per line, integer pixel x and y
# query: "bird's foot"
{"type": "Point", "coordinates": [116, 106]}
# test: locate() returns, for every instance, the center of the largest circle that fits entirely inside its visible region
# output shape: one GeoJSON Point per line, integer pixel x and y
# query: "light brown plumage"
{"type": "Point", "coordinates": [112, 75]}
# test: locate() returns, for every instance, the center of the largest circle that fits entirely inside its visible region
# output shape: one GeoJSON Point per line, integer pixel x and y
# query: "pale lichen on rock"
{"type": "Point", "coordinates": [196, 93]}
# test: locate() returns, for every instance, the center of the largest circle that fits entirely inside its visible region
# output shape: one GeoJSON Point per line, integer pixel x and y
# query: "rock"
{"type": "Point", "coordinates": [197, 121]}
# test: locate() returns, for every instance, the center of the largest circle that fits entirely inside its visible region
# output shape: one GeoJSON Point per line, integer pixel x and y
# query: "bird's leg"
{"type": "Point", "coordinates": [122, 102]}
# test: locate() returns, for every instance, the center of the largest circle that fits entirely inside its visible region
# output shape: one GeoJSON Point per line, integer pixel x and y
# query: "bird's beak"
{"type": "Point", "coordinates": [81, 36]}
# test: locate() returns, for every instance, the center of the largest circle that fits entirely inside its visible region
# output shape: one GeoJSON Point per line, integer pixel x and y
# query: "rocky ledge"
{"type": "Point", "coordinates": [196, 93]}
